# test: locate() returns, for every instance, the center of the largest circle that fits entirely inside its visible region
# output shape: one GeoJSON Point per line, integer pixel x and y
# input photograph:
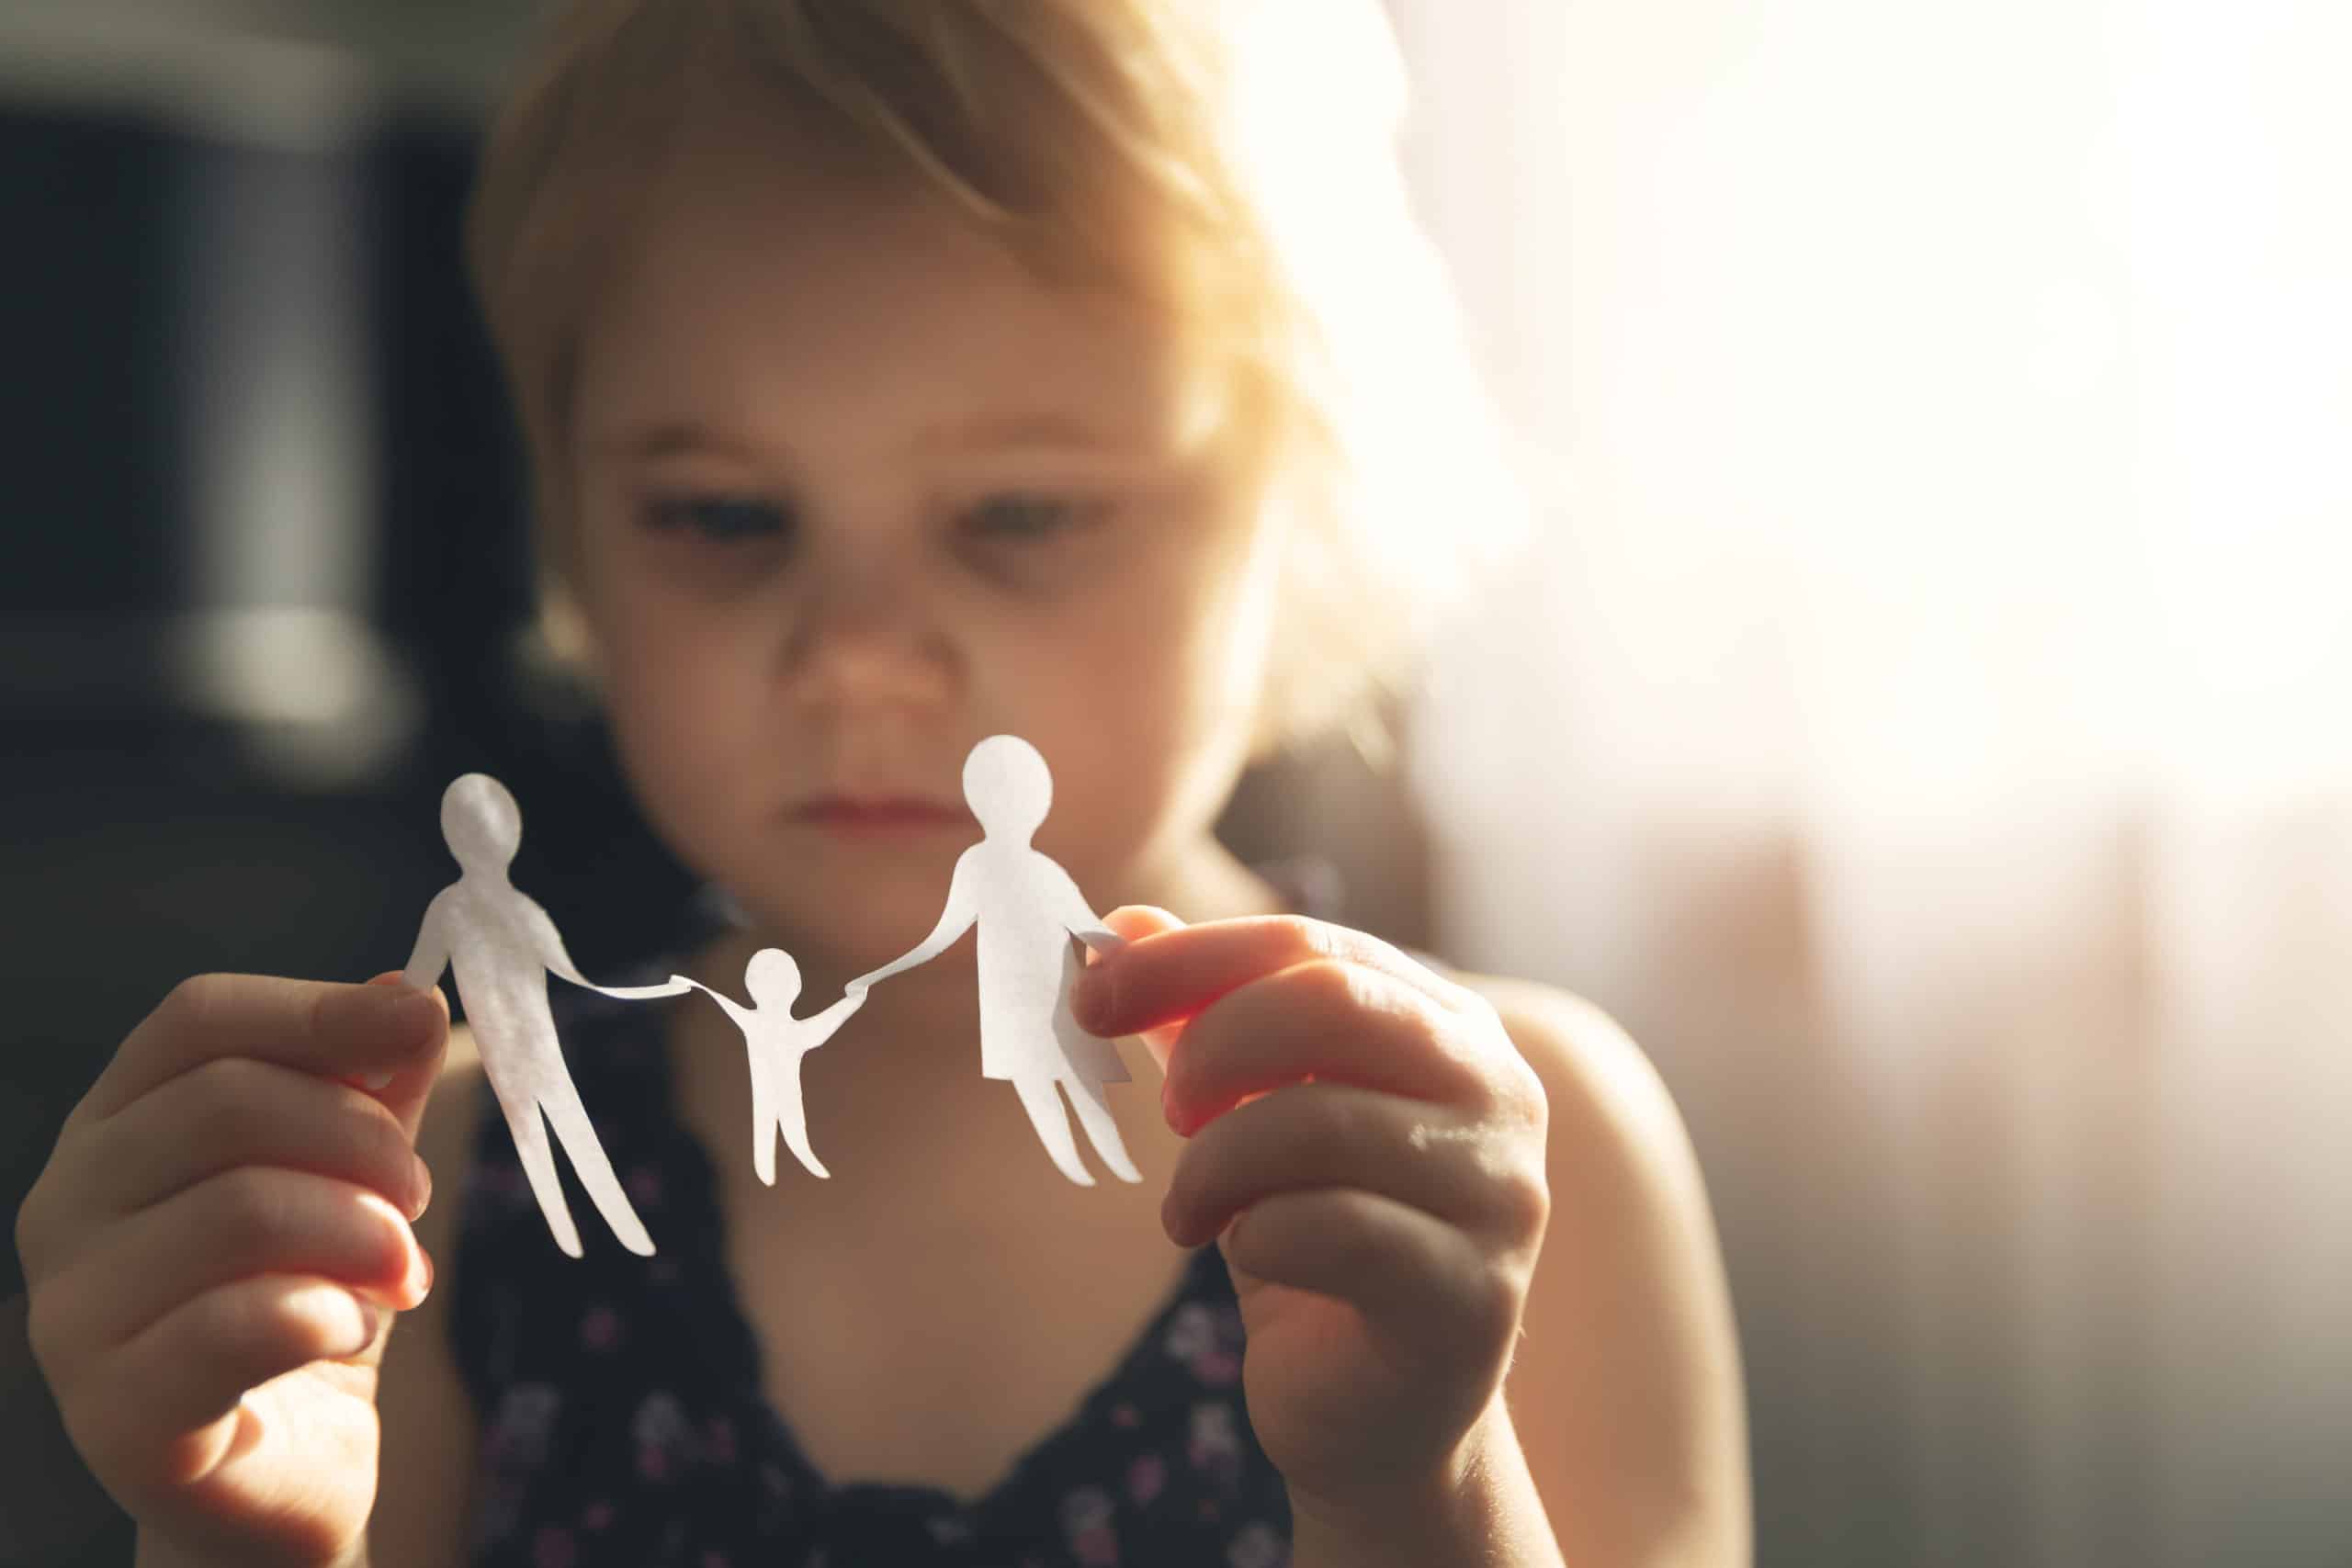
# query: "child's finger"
{"type": "Point", "coordinates": [1422, 1284]}
{"type": "Point", "coordinates": [336, 1031]}
{"type": "Point", "coordinates": [234, 1111]}
{"type": "Point", "coordinates": [1169, 977]}
{"type": "Point", "coordinates": [1134, 923]}
{"type": "Point", "coordinates": [192, 1366]}
{"type": "Point", "coordinates": [405, 1089]}
{"type": "Point", "coordinates": [377, 1082]}
{"type": "Point", "coordinates": [1322, 1135]}
{"type": "Point", "coordinates": [234, 1225]}
{"type": "Point", "coordinates": [1327, 1021]}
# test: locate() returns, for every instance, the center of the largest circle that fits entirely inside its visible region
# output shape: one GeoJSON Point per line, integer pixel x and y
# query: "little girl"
{"type": "Point", "coordinates": [899, 373]}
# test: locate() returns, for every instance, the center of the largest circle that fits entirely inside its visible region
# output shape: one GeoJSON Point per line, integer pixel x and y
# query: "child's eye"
{"type": "Point", "coordinates": [723, 519]}
{"type": "Point", "coordinates": [1019, 516]}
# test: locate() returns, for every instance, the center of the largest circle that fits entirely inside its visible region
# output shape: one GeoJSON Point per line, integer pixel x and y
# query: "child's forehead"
{"type": "Point", "coordinates": [748, 283]}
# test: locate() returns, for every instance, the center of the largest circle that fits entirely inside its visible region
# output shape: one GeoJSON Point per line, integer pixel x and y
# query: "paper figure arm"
{"type": "Point", "coordinates": [953, 920]}
{"type": "Point", "coordinates": [547, 946]}
{"type": "Point", "coordinates": [733, 1009]}
{"type": "Point", "coordinates": [430, 957]}
{"type": "Point", "coordinates": [822, 1025]}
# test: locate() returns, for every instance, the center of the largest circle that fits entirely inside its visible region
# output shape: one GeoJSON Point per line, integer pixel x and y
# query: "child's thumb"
{"type": "Point", "coordinates": [403, 1092]}
{"type": "Point", "coordinates": [1134, 923]}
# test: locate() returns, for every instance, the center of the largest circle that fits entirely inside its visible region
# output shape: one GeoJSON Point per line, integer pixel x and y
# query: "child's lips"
{"type": "Point", "coordinates": [878, 814]}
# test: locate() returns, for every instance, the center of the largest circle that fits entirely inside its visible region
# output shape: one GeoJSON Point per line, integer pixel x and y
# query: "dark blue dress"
{"type": "Point", "coordinates": [623, 1420]}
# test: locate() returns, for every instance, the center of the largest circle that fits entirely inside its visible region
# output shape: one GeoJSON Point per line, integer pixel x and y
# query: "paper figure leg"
{"type": "Point", "coordinates": [594, 1169]}
{"type": "Point", "coordinates": [777, 1105]}
{"type": "Point", "coordinates": [1094, 1115]}
{"type": "Point", "coordinates": [763, 1116]}
{"type": "Point", "coordinates": [792, 1111]}
{"type": "Point", "coordinates": [530, 1131]}
{"type": "Point", "coordinates": [1046, 1113]}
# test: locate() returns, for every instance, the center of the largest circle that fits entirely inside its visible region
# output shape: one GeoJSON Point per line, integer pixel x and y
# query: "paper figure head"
{"type": "Point", "coordinates": [1008, 787]}
{"type": "Point", "coordinates": [772, 977]}
{"type": "Point", "coordinates": [482, 823]}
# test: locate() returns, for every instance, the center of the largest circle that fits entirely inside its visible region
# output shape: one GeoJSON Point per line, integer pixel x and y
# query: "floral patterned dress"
{"type": "Point", "coordinates": [623, 1420]}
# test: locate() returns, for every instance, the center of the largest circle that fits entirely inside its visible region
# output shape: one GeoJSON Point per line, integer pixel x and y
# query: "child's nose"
{"type": "Point", "coordinates": [865, 634]}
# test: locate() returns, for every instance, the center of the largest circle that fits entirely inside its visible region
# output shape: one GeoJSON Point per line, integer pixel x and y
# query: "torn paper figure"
{"type": "Point", "coordinates": [776, 1042]}
{"type": "Point", "coordinates": [1027, 910]}
{"type": "Point", "coordinates": [503, 947]}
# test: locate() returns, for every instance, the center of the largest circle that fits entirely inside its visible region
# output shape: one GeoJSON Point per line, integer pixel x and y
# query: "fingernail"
{"type": "Point", "coordinates": [372, 1011]}
{"type": "Point", "coordinates": [420, 1277]}
{"type": "Point", "coordinates": [412, 1004]}
{"type": "Point", "coordinates": [422, 1179]}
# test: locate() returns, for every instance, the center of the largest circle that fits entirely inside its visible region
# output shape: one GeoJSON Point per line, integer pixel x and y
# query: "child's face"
{"type": "Point", "coordinates": [855, 490]}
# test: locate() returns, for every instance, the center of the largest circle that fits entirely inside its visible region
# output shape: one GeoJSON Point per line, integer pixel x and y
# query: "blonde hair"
{"type": "Point", "coordinates": [1232, 164]}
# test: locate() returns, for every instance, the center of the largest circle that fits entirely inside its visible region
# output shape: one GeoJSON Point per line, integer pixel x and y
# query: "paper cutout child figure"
{"type": "Point", "coordinates": [1027, 908]}
{"type": "Point", "coordinates": [503, 947]}
{"type": "Point", "coordinates": [777, 1041]}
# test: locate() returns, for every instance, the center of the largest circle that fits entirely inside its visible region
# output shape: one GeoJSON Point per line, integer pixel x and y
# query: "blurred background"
{"type": "Point", "coordinates": [1922, 719]}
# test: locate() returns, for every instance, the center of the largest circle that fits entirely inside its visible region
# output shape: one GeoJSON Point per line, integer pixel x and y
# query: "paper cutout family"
{"type": "Point", "coordinates": [503, 946]}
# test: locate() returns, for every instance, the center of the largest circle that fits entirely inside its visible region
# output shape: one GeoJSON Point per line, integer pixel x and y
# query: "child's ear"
{"type": "Point", "coordinates": [562, 655]}
{"type": "Point", "coordinates": [563, 634]}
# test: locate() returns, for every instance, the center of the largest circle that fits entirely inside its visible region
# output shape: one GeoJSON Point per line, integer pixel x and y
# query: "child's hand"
{"type": "Point", "coordinates": [201, 1249]}
{"type": "Point", "coordinates": [1369, 1146]}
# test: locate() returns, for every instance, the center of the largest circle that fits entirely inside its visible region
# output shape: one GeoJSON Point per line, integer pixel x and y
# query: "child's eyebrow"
{"type": "Point", "coordinates": [999, 432]}
{"type": "Point", "coordinates": [1018, 429]}
{"type": "Point", "coordinates": [672, 438]}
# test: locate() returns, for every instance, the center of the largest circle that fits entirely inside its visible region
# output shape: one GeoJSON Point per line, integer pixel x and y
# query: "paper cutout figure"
{"type": "Point", "coordinates": [777, 1041]}
{"type": "Point", "coordinates": [1027, 908]}
{"type": "Point", "coordinates": [503, 946]}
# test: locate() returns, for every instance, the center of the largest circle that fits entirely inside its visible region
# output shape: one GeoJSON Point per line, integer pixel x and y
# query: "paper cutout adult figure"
{"type": "Point", "coordinates": [1027, 910]}
{"type": "Point", "coordinates": [776, 1042]}
{"type": "Point", "coordinates": [503, 947]}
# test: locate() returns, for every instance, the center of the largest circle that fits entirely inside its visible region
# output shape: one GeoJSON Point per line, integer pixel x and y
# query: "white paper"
{"type": "Point", "coordinates": [503, 947]}
{"type": "Point", "coordinates": [776, 1042]}
{"type": "Point", "coordinates": [1027, 910]}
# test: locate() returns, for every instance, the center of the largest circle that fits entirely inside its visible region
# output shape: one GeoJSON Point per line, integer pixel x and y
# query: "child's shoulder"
{"type": "Point", "coordinates": [1619, 1161]}
{"type": "Point", "coordinates": [1595, 1077]}
{"type": "Point", "coordinates": [1629, 1346]}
